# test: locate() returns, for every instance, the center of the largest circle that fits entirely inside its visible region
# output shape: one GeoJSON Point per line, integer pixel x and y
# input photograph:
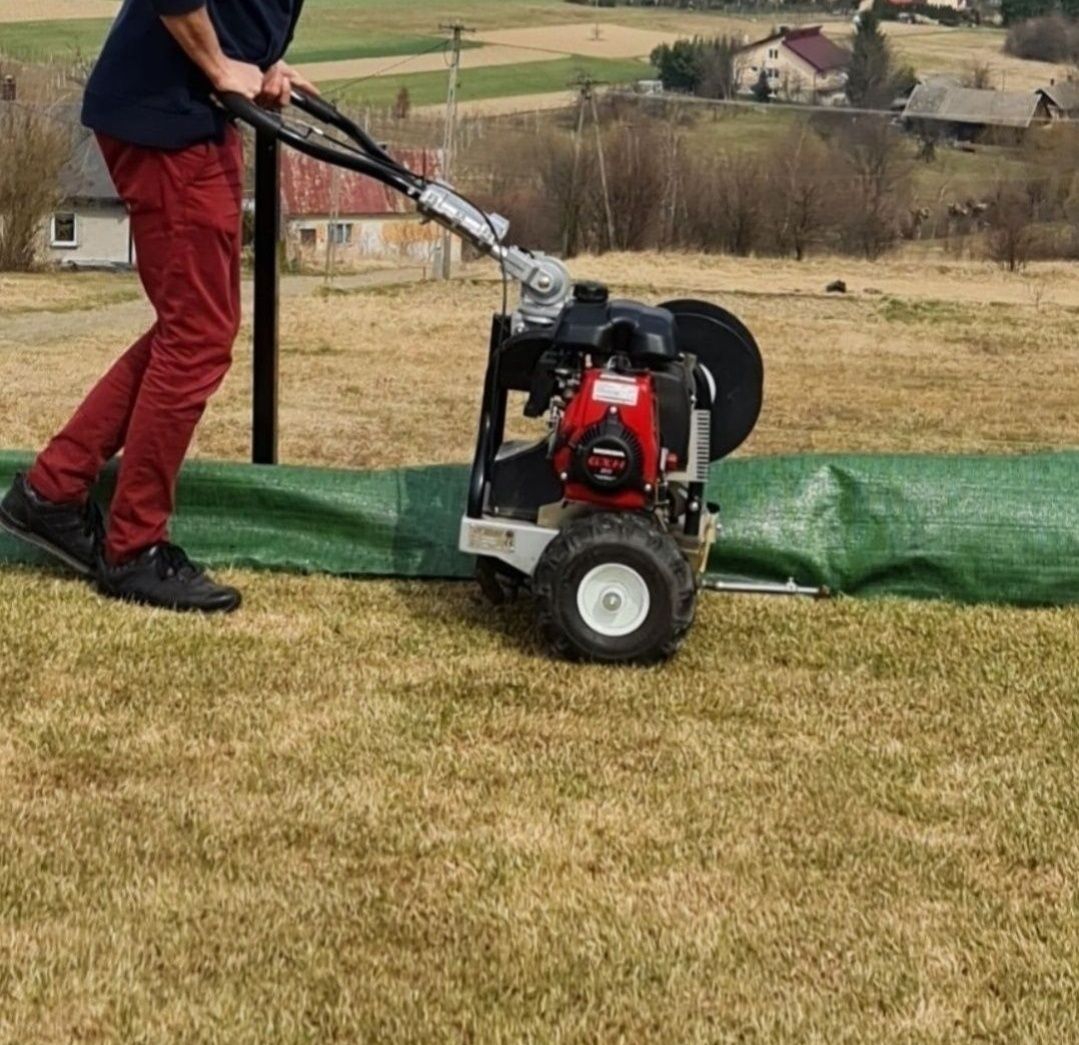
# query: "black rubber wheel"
{"type": "Point", "coordinates": [614, 587]}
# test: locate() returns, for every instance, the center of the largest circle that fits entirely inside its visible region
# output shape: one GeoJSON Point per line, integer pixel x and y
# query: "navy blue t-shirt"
{"type": "Point", "coordinates": [146, 91]}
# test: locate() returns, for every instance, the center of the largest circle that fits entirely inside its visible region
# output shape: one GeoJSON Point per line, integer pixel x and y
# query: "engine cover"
{"type": "Point", "coordinates": [608, 442]}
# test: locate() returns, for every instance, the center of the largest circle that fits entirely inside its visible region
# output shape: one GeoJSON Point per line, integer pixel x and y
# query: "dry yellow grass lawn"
{"type": "Point", "coordinates": [934, 49]}
{"type": "Point", "coordinates": [922, 354]}
{"type": "Point", "coordinates": [64, 292]}
{"type": "Point", "coordinates": [375, 812]}
{"type": "Point", "coordinates": [600, 40]}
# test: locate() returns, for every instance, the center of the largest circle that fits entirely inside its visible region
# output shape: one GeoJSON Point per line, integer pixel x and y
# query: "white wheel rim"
{"type": "Point", "coordinates": [613, 600]}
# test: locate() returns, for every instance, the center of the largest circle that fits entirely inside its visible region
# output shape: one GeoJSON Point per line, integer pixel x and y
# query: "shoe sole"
{"type": "Point", "coordinates": [134, 600]}
{"type": "Point", "coordinates": [22, 534]}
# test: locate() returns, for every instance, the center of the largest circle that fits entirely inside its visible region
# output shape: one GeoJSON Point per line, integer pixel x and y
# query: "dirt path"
{"type": "Point", "coordinates": [506, 47]}
{"type": "Point", "coordinates": [594, 41]}
{"type": "Point", "coordinates": [48, 10]}
{"type": "Point", "coordinates": [129, 317]}
{"type": "Point", "coordinates": [520, 103]}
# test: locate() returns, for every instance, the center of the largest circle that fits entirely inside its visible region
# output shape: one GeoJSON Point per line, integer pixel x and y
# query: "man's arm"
{"type": "Point", "coordinates": [189, 23]}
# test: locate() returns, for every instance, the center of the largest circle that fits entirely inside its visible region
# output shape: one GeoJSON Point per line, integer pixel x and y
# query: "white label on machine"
{"type": "Point", "coordinates": [621, 391]}
{"type": "Point", "coordinates": [491, 539]}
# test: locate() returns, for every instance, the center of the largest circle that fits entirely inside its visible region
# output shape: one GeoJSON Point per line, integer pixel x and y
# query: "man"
{"type": "Point", "coordinates": [178, 165]}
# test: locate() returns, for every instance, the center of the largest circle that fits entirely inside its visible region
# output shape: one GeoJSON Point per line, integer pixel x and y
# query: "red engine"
{"type": "Point", "coordinates": [607, 449]}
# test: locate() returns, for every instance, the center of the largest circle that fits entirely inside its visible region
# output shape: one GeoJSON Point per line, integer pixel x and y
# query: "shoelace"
{"type": "Point", "coordinates": [172, 561]}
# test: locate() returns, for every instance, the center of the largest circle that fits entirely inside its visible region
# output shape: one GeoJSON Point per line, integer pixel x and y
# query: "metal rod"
{"type": "Point", "coordinates": [766, 588]}
{"type": "Point", "coordinates": [266, 337]}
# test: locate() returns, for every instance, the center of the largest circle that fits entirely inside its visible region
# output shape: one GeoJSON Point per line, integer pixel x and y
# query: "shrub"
{"type": "Point", "coordinates": [1050, 39]}
{"type": "Point", "coordinates": [35, 147]}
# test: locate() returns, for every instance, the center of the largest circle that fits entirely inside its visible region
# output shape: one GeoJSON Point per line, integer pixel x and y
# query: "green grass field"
{"type": "Point", "coordinates": [499, 81]}
{"type": "Point", "coordinates": [41, 41]}
{"type": "Point", "coordinates": [329, 30]}
{"type": "Point", "coordinates": [318, 41]}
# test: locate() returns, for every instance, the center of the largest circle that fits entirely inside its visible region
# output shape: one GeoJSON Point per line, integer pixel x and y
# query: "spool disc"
{"type": "Point", "coordinates": [726, 349]}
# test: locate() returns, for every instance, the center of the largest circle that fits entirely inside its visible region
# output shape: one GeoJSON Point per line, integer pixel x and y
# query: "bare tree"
{"type": "Point", "coordinates": [35, 147]}
{"type": "Point", "coordinates": [797, 191]}
{"type": "Point", "coordinates": [638, 158]}
{"type": "Point", "coordinates": [978, 75]}
{"type": "Point", "coordinates": [720, 203]}
{"type": "Point", "coordinates": [871, 154]}
{"type": "Point", "coordinates": [566, 171]}
{"type": "Point", "coordinates": [1010, 236]}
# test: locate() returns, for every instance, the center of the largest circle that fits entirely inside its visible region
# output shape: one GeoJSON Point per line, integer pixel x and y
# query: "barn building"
{"type": "Point", "coordinates": [971, 114]}
{"type": "Point", "coordinates": [335, 214]}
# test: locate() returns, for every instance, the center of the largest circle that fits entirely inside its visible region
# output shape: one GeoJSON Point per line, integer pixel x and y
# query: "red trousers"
{"type": "Point", "coordinates": [185, 220]}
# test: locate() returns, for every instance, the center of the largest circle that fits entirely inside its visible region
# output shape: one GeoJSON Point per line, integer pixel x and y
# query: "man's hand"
{"type": "Point", "coordinates": [238, 78]}
{"type": "Point", "coordinates": [278, 83]}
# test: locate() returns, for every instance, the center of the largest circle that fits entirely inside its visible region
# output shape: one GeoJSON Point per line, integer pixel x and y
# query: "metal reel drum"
{"type": "Point", "coordinates": [726, 349]}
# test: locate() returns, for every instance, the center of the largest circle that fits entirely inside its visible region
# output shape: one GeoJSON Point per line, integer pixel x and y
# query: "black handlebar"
{"type": "Point", "coordinates": [364, 155]}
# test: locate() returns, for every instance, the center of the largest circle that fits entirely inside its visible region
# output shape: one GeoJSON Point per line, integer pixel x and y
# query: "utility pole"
{"type": "Point", "coordinates": [573, 208]}
{"type": "Point", "coordinates": [333, 227]}
{"type": "Point", "coordinates": [588, 94]}
{"type": "Point", "coordinates": [449, 149]}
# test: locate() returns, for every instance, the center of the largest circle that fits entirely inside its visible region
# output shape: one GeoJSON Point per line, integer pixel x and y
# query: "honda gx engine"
{"type": "Point", "coordinates": [605, 515]}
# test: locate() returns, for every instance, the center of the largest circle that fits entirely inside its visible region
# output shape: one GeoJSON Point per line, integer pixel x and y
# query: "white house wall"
{"type": "Point", "coordinates": [103, 236]}
{"type": "Point", "coordinates": [795, 78]}
{"type": "Point", "coordinates": [394, 238]}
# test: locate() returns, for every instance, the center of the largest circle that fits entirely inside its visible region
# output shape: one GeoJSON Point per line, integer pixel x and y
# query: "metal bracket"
{"type": "Point", "coordinates": [766, 588]}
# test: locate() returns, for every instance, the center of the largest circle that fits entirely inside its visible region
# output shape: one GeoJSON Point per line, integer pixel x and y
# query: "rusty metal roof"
{"type": "Point", "coordinates": [310, 188]}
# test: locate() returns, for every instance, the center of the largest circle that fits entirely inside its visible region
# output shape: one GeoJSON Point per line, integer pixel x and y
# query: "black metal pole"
{"type": "Point", "coordinates": [267, 242]}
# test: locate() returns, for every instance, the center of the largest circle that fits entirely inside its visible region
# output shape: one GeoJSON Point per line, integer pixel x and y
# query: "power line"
{"type": "Point", "coordinates": [441, 45]}
{"type": "Point", "coordinates": [692, 99]}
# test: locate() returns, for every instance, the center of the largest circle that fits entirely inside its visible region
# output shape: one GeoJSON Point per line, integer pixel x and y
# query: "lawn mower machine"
{"type": "Point", "coordinates": [604, 517]}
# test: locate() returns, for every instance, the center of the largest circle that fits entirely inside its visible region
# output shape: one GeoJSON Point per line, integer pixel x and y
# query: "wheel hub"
{"type": "Point", "coordinates": [613, 599]}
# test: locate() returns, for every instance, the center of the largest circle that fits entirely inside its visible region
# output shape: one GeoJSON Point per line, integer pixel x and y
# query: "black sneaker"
{"type": "Point", "coordinates": [71, 533]}
{"type": "Point", "coordinates": [164, 576]}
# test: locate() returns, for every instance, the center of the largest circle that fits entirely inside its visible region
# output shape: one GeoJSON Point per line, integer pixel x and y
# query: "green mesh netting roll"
{"type": "Point", "coordinates": [972, 529]}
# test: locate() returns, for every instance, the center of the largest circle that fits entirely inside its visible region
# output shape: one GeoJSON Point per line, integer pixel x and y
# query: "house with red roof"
{"type": "Point", "coordinates": [800, 65]}
{"type": "Point", "coordinates": [340, 217]}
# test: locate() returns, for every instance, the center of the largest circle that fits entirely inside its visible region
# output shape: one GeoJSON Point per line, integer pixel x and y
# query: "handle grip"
{"type": "Point", "coordinates": [245, 109]}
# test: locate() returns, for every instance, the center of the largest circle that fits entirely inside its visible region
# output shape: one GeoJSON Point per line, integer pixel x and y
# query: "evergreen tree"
{"type": "Point", "coordinates": [762, 89]}
{"type": "Point", "coordinates": [679, 65]}
{"type": "Point", "coordinates": [1015, 11]}
{"type": "Point", "coordinates": [870, 77]}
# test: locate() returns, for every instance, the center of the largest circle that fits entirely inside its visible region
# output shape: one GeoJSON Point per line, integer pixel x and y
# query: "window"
{"type": "Point", "coordinates": [340, 233]}
{"type": "Point", "coordinates": [308, 237]}
{"type": "Point", "coordinates": [64, 230]}
{"type": "Point", "coordinates": [773, 53]}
